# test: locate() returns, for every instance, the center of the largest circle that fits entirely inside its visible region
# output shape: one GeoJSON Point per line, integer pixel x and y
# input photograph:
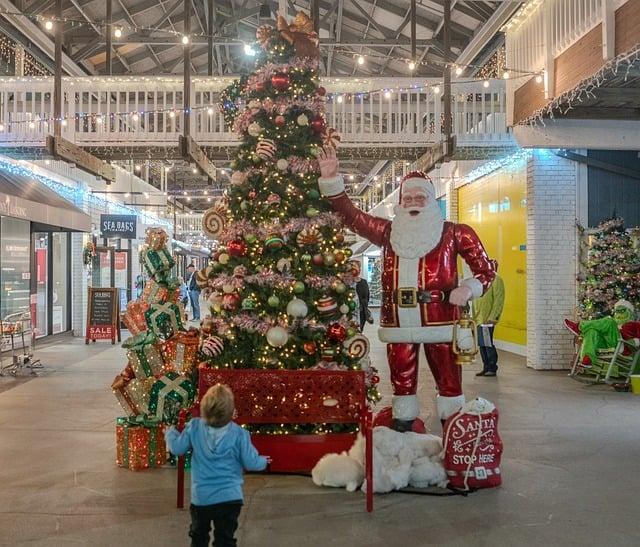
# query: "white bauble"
{"type": "Point", "coordinates": [254, 103]}
{"type": "Point", "coordinates": [228, 289]}
{"type": "Point", "coordinates": [277, 336]}
{"type": "Point", "coordinates": [344, 309]}
{"type": "Point", "coordinates": [282, 164]}
{"type": "Point", "coordinates": [303, 120]}
{"type": "Point", "coordinates": [297, 308]}
{"type": "Point", "coordinates": [223, 258]}
{"type": "Point", "coordinates": [254, 129]}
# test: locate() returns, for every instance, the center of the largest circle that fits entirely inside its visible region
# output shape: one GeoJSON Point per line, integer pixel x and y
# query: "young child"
{"type": "Point", "coordinates": [221, 450]}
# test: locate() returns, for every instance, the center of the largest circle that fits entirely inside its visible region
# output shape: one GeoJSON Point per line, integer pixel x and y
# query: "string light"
{"type": "Point", "coordinates": [339, 99]}
{"type": "Point", "coordinates": [539, 79]}
{"type": "Point", "coordinates": [117, 32]}
{"type": "Point", "coordinates": [194, 170]}
{"type": "Point", "coordinates": [436, 89]}
{"type": "Point", "coordinates": [48, 24]}
{"type": "Point", "coordinates": [412, 65]}
{"type": "Point", "coordinates": [505, 75]}
{"type": "Point", "coordinates": [458, 70]}
{"type": "Point", "coordinates": [138, 167]}
{"type": "Point", "coordinates": [185, 40]}
{"type": "Point", "coordinates": [210, 111]}
{"type": "Point", "coordinates": [135, 117]}
{"type": "Point", "coordinates": [248, 50]}
{"type": "Point", "coordinates": [486, 83]}
{"type": "Point", "coordinates": [360, 59]}
{"type": "Point", "coordinates": [387, 94]}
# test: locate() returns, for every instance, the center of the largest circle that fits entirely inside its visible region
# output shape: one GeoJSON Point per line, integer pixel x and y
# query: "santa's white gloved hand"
{"type": "Point", "coordinates": [460, 296]}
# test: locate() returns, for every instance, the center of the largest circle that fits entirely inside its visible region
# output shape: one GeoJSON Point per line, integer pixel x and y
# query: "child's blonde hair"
{"type": "Point", "coordinates": [217, 406]}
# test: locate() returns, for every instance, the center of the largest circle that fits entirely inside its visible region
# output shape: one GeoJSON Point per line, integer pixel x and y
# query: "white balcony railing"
{"type": "Point", "coordinates": [543, 29]}
{"type": "Point", "coordinates": [112, 111]}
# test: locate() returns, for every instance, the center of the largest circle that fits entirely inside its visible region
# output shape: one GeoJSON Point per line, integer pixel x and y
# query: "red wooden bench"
{"type": "Point", "coordinates": [294, 397]}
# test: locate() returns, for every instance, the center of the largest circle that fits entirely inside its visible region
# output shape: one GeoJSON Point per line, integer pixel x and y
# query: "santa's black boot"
{"type": "Point", "coordinates": [402, 426]}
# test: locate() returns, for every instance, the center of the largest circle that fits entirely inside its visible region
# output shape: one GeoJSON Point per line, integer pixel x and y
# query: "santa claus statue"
{"type": "Point", "coordinates": [421, 295]}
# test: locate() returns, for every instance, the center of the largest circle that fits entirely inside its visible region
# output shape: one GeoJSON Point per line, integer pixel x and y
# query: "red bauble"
{"type": "Point", "coordinates": [252, 194]}
{"type": "Point", "coordinates": [322, 91]}
{"type": "Point", "coordinates": [261, 87]}
{"type": "Point", "coordinates": [337, 332]}
{"type": "Point", "coordinates": [280, 120]}
{"type": "Point", "coordinates": [318, 124]}
{"type": "Point", "coordinates": [280, 81]}
{"type": "Point", "coordinates": [318, 260]}
{"type": "Point", "coordinates": [237, 248]}
{"type": "Point", "coordinates": [309, 348]}
{"type": "Point", "coordinates": [375, 379]}
{"type": "Point", "coordinates": [231, 301]}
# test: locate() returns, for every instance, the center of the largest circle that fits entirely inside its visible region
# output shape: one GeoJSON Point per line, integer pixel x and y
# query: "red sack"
{"type": "Point", "coordinates": [473, 448]}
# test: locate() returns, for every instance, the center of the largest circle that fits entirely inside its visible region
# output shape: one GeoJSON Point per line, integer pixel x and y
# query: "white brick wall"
{"type": "Point", "coordinates": [551, 258]}
{"type": "Point", "coordinates": [78, 285]}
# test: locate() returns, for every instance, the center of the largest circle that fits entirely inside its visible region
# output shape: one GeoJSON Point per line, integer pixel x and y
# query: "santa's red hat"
{"type": "Point", "coordinates": [418, 179]}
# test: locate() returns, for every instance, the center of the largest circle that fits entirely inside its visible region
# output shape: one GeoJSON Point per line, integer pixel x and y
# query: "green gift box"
{"type": "Point", "coordinates": [157, 261]}
{"type": "Point", "coordinates": [164, 320]}
{"type": "Point", "coordinates": [169, 394]}
{"type": "Point", "coordinates": [146, 360]}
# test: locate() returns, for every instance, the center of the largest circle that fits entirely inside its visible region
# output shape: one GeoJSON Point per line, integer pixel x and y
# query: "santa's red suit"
{"type": "Point", "coordinates": [415, 307]}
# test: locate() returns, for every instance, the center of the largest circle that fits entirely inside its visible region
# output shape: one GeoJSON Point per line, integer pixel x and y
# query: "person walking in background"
{"type": "Point", "coordinates": [194, 292]}
{"type": "Point", "coordinates": [362, 290]}
{"type": "Point", "coordinates": [221, 450]}
{"type": "Point", "coordinates": [486, 313]}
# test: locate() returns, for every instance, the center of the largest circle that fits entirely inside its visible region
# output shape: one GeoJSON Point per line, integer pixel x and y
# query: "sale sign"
{"type": "Point", "coordinates": [105, 332]}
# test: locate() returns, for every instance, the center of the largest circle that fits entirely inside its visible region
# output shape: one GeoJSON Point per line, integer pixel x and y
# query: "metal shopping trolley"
{"type": "Point", "coordinates": [16, 335]}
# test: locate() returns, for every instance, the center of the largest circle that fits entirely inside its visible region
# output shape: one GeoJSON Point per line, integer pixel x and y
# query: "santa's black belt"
{"type": "Point", "coordinates": [410, 297]}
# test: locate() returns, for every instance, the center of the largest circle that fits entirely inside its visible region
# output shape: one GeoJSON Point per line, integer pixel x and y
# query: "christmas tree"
{"type": "Point", "coordinates": [611, 271]}
{"type": "Point", "coordinates": [282, 297]}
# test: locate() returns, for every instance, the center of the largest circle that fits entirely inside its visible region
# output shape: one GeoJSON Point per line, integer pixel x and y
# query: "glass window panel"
{"type": "Point", "coordinates": [15, 240]}
{"type": "Point", "coordinates": [60, 275]}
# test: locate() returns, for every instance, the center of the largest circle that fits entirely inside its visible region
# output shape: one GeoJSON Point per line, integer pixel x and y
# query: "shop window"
{"type": "Point", "coordinates": [15, 243]}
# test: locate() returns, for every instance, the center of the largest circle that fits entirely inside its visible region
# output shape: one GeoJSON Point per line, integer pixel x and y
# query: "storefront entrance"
{"type": "Point", "coordinates": [112, 268]}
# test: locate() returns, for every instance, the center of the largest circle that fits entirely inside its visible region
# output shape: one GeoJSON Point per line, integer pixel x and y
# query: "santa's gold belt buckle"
{"type": "Point", "coordinates": [407, 297]}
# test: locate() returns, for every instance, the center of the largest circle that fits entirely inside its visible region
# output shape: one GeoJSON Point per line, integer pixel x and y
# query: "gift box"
{"type": "Point", "coordinates": [134, 318]}
{"type": "Point", "coordinates": [181, 350]}
{"type": "Point", "coordinates": [157, 261]}
{"type": "Point", "coordinates": [140, 443]}
{"type": "Point", "coordinates": [170, 394]}
{"type": "Point", "coordinates": [156, 238]}
{"type": "Point", "coordinates": [132, 393]}
{"type": "Point", "coordinates": [164, 320]}
{"type": "Point", "coordinates": [157, 293]}
{"type": "Point", "coordinates": [146, 358]}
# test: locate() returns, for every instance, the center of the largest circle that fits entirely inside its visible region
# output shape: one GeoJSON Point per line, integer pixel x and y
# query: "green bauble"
{"type": "Point", "coordinates": [312, 212]}
{"type": "Point", "coordinates": [314, 194]}
{"type": "Point", "coordinates": [250, 238]}
{"type": "Point", "coordinates": [298, 287]}
{"type": "Point", "coordinates": [306, 258]}
{"type": "Point", "coordinates": [351, 332]}
{"type": "Point", "coordinates": [244, 205]}
{"type": "Point", "coordinates": [339, 287]}
{"type": "Point", "coordinates": [329, 260]}
{"type": "Point", "coordinates": [273, 301]}
{"type": "Point", "coordinates": [347, 252]}
{"type": "Point", "coordinates": [351, 304]}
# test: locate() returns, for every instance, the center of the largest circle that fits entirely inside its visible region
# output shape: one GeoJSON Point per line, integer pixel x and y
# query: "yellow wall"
{"type": "Point", "coordinates": [495, 207]}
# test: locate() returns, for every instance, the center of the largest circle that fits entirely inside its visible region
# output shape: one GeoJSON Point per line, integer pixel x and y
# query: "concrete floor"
{"type": "Point", "coordinates": [570, 471]}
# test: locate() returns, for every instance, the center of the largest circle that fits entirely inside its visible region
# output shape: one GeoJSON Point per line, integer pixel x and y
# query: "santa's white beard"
{"type": "Point", "coordinates": [414, 236]}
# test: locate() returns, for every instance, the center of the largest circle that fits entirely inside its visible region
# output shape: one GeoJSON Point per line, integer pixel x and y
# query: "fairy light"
{"type": "Point", "coordinates": [339, 99]}
{"type": "Point", "coordinates": [436, 89]}
{"type": "Point", "coordinates": [185, 40]}
{"type": "Point", "coordinates": [485, 83]}
{"type": "Point", "coordinates": [539, 79]}
{"type": "Point", "coordinates": [117, 32]}
{"type": "Point", "coordinates": [458, 71]}
{"type": "Point", "coordinates": [506, 75]}
{"type": "Point", "coordinates": [387, 94]}
{"type": "Point", "coordinates": [412, 65]}
{"type": "Point", "coordinates": [172, 114]}
{"type": "Point", "coordinates": [138, 167]}
{"type": "Point", "coordinates": [360, 59]}
{"type": "Point", "coordinates": [135, 117]}
{"type": "Point", "coordinates": [48, 24]}
{"type": "Point", "coordinates": [210, 111]}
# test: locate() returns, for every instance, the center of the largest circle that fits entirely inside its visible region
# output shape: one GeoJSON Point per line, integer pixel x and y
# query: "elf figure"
{"type": "Point", "coordinates": [598, 334]}
{"type": "Point", "coordinates": [421, 296]}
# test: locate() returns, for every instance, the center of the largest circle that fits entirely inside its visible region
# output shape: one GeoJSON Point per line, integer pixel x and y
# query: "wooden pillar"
{"type": "Point", "coordinates": [446, 5]}
{"type": "Point", "coordinates": [282, 8]}
{"type": "Point", "coordinates": [314, 8]}
{"type": "Point", "coordinates": [186, 99]}
{"type": "Point", "coordinates": [212, 15]}
{"type": "Point", "coordinates": [413, 31]}
{"type": "Point", "coordinates": [109, 35]}
{"type": "Point", "coordinates": [57, 77]}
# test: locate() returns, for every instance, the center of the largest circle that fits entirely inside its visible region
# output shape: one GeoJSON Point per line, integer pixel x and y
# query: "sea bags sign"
{"type": "Point", "coordinates": [122, 226]}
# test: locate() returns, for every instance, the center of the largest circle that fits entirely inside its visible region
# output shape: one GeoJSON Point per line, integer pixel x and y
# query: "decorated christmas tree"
{"type": "Point", "coordinates": [281, 295]}
{"type": "Point", "coordinates": [611, 270]}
